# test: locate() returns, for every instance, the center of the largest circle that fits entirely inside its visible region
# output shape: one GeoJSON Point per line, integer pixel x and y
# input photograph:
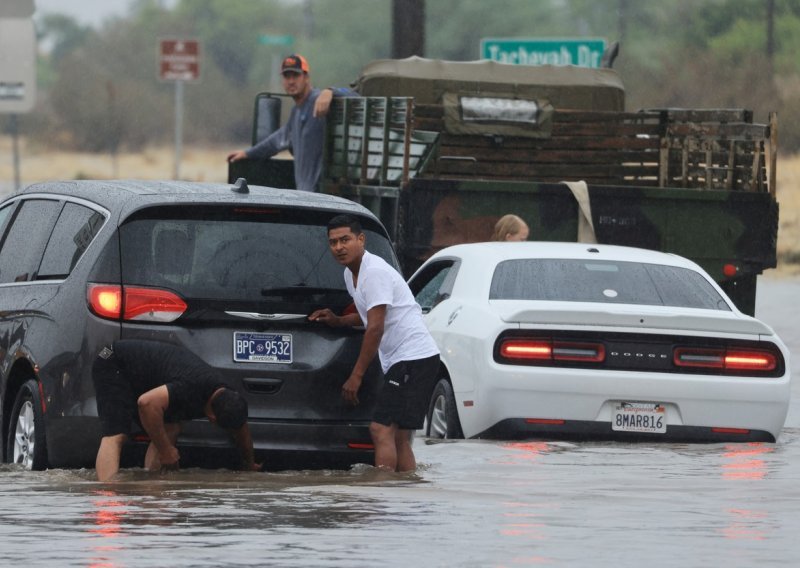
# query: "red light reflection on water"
{"type": "Point", "coordinates": [744, 462]}
{"type": "Point", "coordinates": [524, 520]}
{"type": "Point", "coordinates": [746, 525]}
{"type": "Point", "coordinates": [523, 451]}
{"type": "Point", "coordinates": [108, 514]}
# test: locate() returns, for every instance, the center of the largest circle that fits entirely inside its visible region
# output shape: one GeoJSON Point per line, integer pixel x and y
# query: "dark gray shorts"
{"type": "Point", "coordinates": [117, 404]}
{"type": "Point", "coordinates": [406, 393]}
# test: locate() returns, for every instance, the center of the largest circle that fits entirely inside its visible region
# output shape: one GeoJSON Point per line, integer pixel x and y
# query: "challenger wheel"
{"type": "Point", "coordinates": [442, 417]}
{"type": "Point", "coordinates": [26, 445]}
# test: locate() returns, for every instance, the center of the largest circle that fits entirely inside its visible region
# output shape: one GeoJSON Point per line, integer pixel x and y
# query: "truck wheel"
{"type": "Point", "coordinates": [26, 444]}
{"type": "Point", "coordinates": [442, 413]}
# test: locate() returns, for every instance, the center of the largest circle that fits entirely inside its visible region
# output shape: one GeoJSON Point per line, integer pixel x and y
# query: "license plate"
{"type": "Point", "coordinates": [262, 347]}
{"type": "Point", "coordinates": [639, 417]}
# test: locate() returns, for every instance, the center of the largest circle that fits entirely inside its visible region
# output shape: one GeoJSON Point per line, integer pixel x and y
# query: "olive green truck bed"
{"type": "Point", "coordinates": [465, 143]}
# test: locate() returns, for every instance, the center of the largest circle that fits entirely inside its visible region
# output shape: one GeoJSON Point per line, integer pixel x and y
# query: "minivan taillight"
{"type": "Point", "coordinates": [105, 300]}
{"type": "Point", "coordinates": [135, 303]}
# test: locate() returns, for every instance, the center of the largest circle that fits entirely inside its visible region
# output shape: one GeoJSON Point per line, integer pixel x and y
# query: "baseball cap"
{"type": "Point", "coordinates": [295, 63]}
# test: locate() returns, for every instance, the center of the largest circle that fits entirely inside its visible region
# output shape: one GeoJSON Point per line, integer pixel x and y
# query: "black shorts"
{"type": "Point", "coordinates": [406, 393]}
{"type": "Point", "coordinates": [117, 404]}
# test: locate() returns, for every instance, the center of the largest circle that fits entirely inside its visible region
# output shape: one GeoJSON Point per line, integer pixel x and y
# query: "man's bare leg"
{"type": "Point", "coordinates": [405, 455]}
{"type": "Point", "coordinates": [151, 461]}
{"type": "Point", "coordinates": [383, 438]}
{"type": "Point", "coordinates": [107, 462]}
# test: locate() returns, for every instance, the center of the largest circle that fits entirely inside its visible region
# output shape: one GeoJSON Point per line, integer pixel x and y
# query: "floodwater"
{"type": "Point", "coordinates": [471, 503]}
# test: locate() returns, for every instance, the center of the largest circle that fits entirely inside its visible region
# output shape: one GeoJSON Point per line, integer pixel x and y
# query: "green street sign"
{"type": "Point", "coordinates": [583, 52]}
{"type": "Point", "coordinates": [267, 39]}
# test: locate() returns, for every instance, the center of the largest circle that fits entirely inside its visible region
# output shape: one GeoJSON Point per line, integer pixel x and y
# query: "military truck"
{"type": "Point", "coordinates": [439, 150]}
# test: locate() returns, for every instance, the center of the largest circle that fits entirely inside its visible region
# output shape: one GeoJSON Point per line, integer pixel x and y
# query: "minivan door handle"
{"type": "Point", "coordinates": [263, 386]}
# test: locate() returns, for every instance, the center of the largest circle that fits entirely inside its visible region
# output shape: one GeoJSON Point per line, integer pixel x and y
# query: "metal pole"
{"type": "Point", "coordinates": [176, 173]}
{"type": "Point", "coordinates": [15, 150]}
{"type": "Point", "coordinates": [274, 72]}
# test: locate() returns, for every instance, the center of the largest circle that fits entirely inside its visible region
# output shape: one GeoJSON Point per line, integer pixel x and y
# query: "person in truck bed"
{"type": "Point", "coordinates": [303, 132]}
{"type": "Point", "coordinates": [510, 228]}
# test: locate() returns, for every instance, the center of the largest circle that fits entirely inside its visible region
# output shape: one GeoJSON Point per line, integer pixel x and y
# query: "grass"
{"type": "Point", "coordinates": [208, 164]}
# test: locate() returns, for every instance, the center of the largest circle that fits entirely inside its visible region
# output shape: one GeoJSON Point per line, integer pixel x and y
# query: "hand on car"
{"type": "Point", "coordinates": [326, 316]}
{"type": "Point", "coordinates": [350, 389]}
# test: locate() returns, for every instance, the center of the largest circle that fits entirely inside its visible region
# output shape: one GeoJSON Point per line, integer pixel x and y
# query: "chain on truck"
{"type": "Point", "coordinates": [440, 150]}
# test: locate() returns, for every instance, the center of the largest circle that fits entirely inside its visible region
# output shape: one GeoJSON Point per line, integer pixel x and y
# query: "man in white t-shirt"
{"type": "Point", "coordinates": [395, 331]}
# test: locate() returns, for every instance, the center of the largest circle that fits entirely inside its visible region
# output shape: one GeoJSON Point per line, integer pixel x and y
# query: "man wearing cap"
{"type": "Point", "coordinates": [303, 132]}
{"type": "Point", "coordinates": [157, 385]}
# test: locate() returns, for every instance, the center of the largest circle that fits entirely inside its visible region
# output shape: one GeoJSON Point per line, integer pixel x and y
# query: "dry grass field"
{"type": "Point", "coordinates": [788, 193]}
{"type": "Point", "coordinates": [208, 164]}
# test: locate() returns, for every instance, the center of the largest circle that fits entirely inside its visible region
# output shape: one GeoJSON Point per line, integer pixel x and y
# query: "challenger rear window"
{"type": "Point", "coordinates": [571, 280]}
{"type": "Point", "coordinates": [238, 254]}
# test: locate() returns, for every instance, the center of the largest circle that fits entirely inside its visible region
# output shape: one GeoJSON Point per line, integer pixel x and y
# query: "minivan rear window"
{"type": "Point", "coordinates": [238, 254]}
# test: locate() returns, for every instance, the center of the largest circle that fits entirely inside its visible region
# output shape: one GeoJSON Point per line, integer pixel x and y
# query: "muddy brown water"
{"type": "Point", "coordinates": [471, 503]}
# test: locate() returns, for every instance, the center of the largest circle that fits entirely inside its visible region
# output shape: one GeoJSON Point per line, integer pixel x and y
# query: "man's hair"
{"type": "Point", "coordinates": [230, 408]}
{"type": "Point", "coordinates": [345, 221]}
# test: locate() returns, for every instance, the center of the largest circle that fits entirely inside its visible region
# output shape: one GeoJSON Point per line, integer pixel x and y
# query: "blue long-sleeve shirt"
{"type": "Point", "coordinates": [302, 135]}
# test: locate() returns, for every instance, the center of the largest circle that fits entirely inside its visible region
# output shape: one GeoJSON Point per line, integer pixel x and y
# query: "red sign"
{"type": "Point", "coordinates": [179, 60]}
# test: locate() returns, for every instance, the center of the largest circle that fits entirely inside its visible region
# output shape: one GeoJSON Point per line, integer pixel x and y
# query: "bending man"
{"type": "Point", "coordinates": [158, 385]}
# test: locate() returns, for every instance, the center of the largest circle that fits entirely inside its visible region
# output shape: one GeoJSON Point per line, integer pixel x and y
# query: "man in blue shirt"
{"type": "Point", "coordinates": [303, 132]}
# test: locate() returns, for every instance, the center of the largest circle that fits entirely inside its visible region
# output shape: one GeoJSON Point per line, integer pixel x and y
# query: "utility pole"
{"type": "Point", "coordinates": [770, 30]}
{"type": "Point", "coordinates": [408, 28]}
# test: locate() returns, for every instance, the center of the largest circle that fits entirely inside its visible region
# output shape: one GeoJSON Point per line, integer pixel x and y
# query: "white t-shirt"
{"type": "Point", "coordinates": [405, 337]}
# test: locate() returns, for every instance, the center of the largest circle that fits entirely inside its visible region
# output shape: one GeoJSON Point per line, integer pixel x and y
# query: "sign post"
{"type": "Point", "coordinates": [17, 67]}
{"type": "Point", "coordinates": [272, 40]}
{"type": "Point", "coordinates": [582, 52]}
{"type": "Point", "coordinates": [179, 61]}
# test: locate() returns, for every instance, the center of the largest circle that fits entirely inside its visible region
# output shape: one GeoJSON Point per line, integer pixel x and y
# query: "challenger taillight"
{"type": "Point", "coordinates": [527, 349]}
{"type": "Point", "coordinates": [134, 303]}
{"type": "Point", "coordinates": [520, 349]}
{"type": "Point", "coordinates": [727, 359]}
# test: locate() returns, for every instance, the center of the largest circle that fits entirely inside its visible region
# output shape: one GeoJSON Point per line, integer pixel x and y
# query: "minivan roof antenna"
{"type": "Point", "coordinates": [240, 186]}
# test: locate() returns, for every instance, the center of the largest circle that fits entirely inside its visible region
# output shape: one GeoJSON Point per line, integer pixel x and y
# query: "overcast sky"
{"type": "Point", "coordinates": [91, 12]}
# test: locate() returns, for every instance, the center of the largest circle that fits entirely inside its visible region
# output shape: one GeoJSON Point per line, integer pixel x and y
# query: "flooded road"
{"type": "Point", "coordinates": [471, 503]}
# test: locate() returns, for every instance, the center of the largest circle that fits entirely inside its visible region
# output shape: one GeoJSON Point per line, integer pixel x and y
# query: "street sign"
{"type": "Point", "coordinates": [17, 56]}
{"type": "Point", "coordinates": [179, 60]}
{"type": "Point", "coordinates": [583, 52]}
{"type": "Point", "coordinates": [268, 39]}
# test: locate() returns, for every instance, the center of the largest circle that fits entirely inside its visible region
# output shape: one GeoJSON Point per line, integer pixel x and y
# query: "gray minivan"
{"type": "Point", "coordinates": [229, 272]}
